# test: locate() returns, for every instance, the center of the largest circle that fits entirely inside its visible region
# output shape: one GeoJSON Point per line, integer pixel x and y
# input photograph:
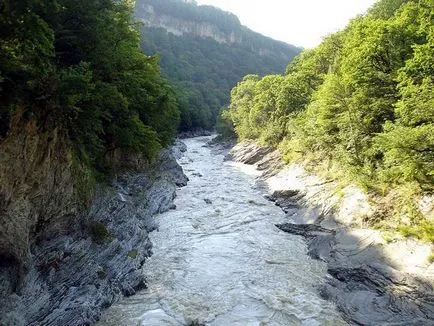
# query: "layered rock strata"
{"type": "Point", "coordinates": [372, 281]}
{"type": "Point", "coordinates": [66, 270]}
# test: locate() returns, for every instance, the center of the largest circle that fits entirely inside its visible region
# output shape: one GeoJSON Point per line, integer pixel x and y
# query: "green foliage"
{"type": "Point", "coordinates": [408, 141]}
{"type": "Point", "coordinates": [77, 65]}
{"type": "Point", "coordinates": [385, 8]}
{"type": "Point", "coordinates": [202, 70]}
{"type": "Point", "coordinates": [132, 254]}
{"type": "Point", "coordinates": [423, 230]}
{"type": "Point", "coordinates": [408, 154]}
{"type": "Point", "coordinates": [360, 104]}
{"type": "Point", "coordinates": [98, 232]}
{"type": "Point", "coordinates": [363, 98]}
{"type": "Point", "coordinates": [26, 52]}
{"type": "Point", "coordinates": [262, 108]}
{"type": "Point", "coordinates": [431, 258]}
{"type": "Point", "coordinates": [241, 102]}
{"type": "Point", "coordinates": [224, 126]}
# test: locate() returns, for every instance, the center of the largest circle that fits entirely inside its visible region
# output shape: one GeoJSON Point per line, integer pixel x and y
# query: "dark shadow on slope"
{"type": "Point", "coordinates": [366, 287]}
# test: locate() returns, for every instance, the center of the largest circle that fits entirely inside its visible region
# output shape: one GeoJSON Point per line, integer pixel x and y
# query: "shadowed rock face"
{"type": "Point", "coordinates": [367, 285]}
{"type": "Point", "coordinates": [364, 287]}
{"type": "Point", "coordinates": [73, 276]}
{"type": "Point", "coordinates": [374, 295]}
{"type": "Point", "coordinates": [37, 194]}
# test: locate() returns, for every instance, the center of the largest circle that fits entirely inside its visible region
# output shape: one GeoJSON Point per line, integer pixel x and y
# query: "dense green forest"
{"type": "Point", "coordinates": [202, 70]}
{"type": "Point", "coordinates": [76, 65]}
{"type": "Point", "coordinates": [360, 105]}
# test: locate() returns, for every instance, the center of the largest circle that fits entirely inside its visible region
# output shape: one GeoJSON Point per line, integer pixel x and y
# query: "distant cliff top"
{"type": "Point", "coordinates": [187, 17]}
{"type": "Point", "coordinates": [204, 51]}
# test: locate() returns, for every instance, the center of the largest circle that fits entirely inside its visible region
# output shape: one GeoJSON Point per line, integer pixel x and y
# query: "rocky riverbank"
{"type": "Point", "coordinates": [372, 280]}
{"type": "Point", "coordinates": [219, 260]}
{"type": "Point", "coordinates": [71, 278]}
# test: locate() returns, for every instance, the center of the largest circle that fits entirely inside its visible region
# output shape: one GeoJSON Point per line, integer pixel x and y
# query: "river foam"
{"type": "Point", "coordinates": [219, 259]}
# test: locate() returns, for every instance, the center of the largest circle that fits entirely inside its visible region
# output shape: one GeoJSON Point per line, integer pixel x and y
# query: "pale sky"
{"type": "Point", "coordinates": [298, 22]}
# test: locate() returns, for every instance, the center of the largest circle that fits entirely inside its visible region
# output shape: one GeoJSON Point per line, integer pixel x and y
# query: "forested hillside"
{"type": "Point", "coordinates": [360, 106]}
{"type": "Point", "coordinates": [204, 52]}
{"type": "Point", "coordinates": [81, 107]}
{"type": "Point", "coordinates": [76, 66]}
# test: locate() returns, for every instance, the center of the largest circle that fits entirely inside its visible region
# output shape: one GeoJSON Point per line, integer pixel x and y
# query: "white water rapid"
{"type": "Point", "coordinates": [218, 259]}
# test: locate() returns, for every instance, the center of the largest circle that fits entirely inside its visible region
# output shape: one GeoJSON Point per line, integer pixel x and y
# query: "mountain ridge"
{"type": "Point", "coordinates": [156, 16]}
{"type": "Point", "coordinates": [204, 52]}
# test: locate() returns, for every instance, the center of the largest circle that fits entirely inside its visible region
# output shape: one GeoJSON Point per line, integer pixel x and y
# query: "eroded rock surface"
{"type": "Point", "coordinates": [37, 191]}
{"type": "Point", "coordinates": [248, 153]}
{"type": "Point", "coordinates": [71, 277]}
{"type": "Point", "coordinates": [372, 281]}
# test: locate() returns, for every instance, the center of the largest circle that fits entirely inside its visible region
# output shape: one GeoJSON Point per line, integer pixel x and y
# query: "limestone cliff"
{"type": "Point", "coordinates": [38, 197]}
{"type": "Point", "coordinates": [182, 17]}
{"type": "Point", "coordinates": [151, 18]}
{"type": "Point", "coordinates": [68, 249]}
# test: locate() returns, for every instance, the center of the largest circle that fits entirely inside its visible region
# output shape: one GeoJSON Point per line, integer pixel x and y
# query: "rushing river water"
{"type": "Point", "coordinates": [219, 259]}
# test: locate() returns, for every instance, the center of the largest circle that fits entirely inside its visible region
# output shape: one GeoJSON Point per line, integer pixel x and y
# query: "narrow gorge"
{"type": "Point", "coordinates": [163, 164]}
{"type": "Point", "coordinates": [220, 260]}
{"type": "Point", "coordinates": [248, 245]}
{"type": "Point", "coordinates": [72, 263]}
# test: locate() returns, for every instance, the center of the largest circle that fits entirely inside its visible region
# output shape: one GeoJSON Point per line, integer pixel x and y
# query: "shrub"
{"type": "Point", "coordinates": [132, 254]}
{"type": "Point", "coordinates": [99, 232]}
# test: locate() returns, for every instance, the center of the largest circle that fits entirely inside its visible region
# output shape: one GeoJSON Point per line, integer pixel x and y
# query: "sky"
{"type": "Point", "coordinates": [298, 22]}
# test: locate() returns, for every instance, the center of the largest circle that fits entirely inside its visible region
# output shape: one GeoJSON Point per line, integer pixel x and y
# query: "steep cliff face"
{"type": "Point", "coordinates": [38, 196]}
{"type": "Point", "coordinates": [152, 18]}
{"type": "Point", "coordinates": [69, 248]}
{"type": "Point", "coordinates": [183, 18]}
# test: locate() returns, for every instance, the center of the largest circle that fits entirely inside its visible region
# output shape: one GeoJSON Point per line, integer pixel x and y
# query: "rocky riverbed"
{"type": "Point", "coordinates": [73, 277]}
{"type": "Point", "coordinates": [219, 259]}
{"type": "Point", "coordinates": [371, 280]}
{"type": "Point", "coordinates": [249, 241]}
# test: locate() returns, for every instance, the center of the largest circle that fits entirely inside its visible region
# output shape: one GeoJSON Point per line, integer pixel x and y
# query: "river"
{"type": "Point", "coordinates": [218, 259]}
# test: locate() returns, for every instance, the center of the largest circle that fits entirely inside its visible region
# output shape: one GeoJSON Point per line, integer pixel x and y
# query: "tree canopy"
{"type": "Point", "coordinates": [77, 65]}
{"type": "Point", "coordinates": [362, 100]}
